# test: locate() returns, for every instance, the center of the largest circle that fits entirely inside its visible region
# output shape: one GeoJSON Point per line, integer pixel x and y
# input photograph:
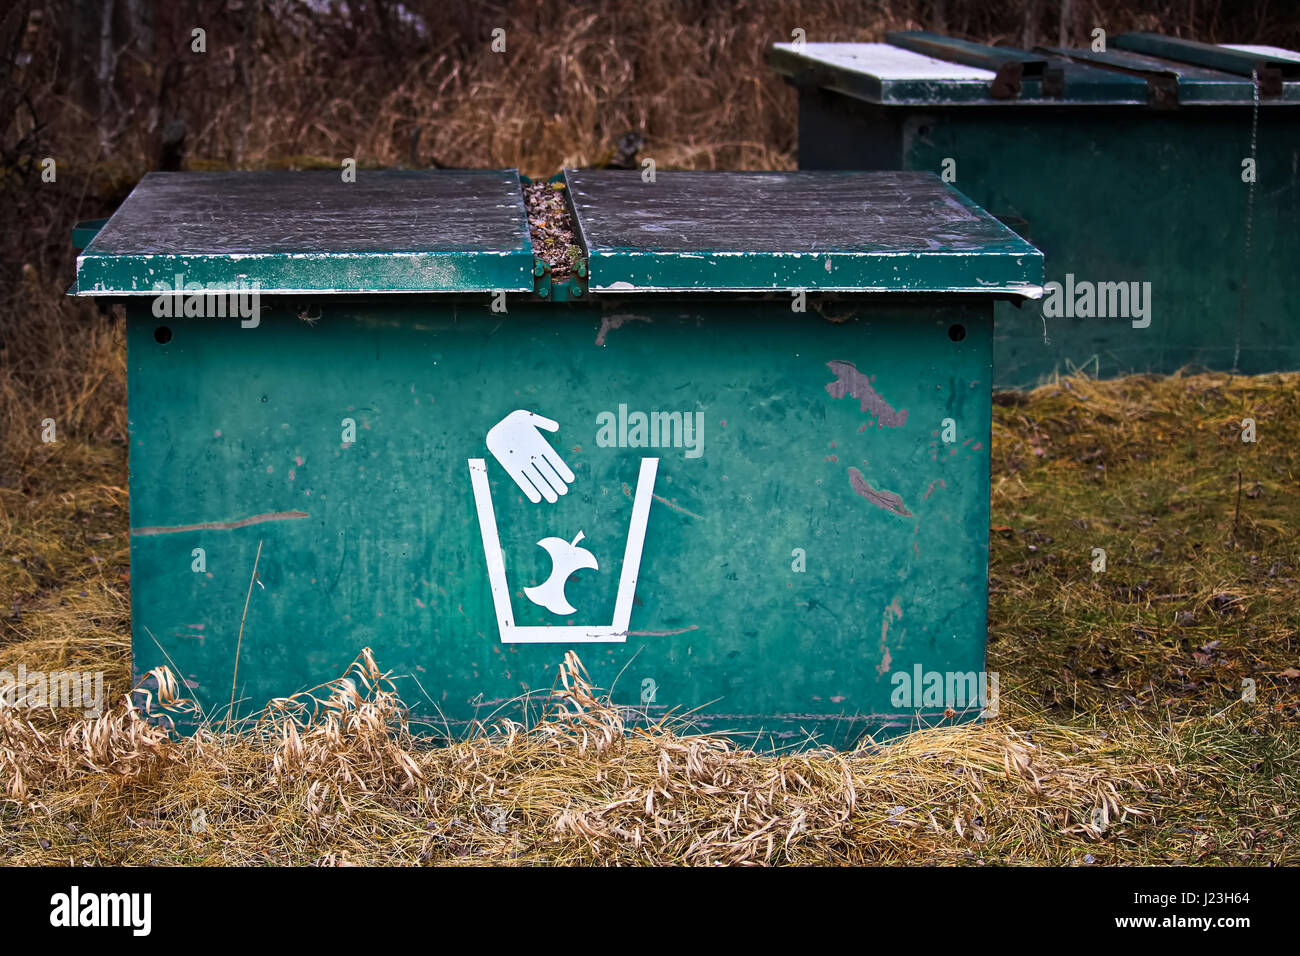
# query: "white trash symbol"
{"type": "Point", "coordinates": [529, 460]}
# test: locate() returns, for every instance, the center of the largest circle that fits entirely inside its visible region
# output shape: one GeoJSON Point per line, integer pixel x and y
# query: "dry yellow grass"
{"type": "Point", "coordinates": [344, 783]}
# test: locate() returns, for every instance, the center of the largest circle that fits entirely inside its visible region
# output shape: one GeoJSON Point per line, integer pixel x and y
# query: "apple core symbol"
{"type": "Point", "coordinates": [566, 557]}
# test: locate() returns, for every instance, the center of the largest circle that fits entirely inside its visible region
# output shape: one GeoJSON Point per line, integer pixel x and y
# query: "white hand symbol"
{"type": "Point", "coordinates": [527, 457]}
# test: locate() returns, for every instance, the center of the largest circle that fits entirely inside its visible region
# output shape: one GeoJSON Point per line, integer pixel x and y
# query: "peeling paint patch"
{"type": "Point", "coordinates": [849, 381]}
{"type": "Point", "coordinates": [221, 525]}
{"type": "Point", "coordinates": [929, 491]}
{"type": "Point", "coordinates": [609, 323]}
{"type": "Point", "coordinates": [881, 499]}
{"type": "Point", "coordinates": [893, 612]}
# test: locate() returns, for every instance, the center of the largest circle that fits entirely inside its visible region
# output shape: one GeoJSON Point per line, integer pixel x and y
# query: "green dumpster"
{"type": "Point", "coordinates": [742, 470]}
{"type": "Point", "coordinates": [1158, 177]}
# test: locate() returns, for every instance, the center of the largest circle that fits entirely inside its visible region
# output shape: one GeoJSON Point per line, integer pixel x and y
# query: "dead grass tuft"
{"type": "Point", "coordinates": [336, 778]}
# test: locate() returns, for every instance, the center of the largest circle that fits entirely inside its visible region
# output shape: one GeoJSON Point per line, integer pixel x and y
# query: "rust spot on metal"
{"type": "Point", "coordinates": [829, 314]}
{"type": "Point", "coordinates": [849, 381]}
{"type": "Point", "coordinates": [881, 499]}
{"type": "Point", "coordinates": [609, 323]}
{"type": "Point", "coordinates": [221, 525]}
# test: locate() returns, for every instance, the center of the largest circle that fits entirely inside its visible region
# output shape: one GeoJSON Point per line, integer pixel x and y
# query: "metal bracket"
{"type": "Point", "coordinates": [1269, 81]}
{"type": "Point", "coordinates": [1054, 80]}
{"type": "Point", "coordinates": [1006, 84]}
{"type": "Point", "coordinates": [559, 290]}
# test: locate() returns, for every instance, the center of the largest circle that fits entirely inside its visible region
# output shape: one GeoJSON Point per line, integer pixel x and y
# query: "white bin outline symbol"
{"type": "Point", "coordinates": [512, 633]}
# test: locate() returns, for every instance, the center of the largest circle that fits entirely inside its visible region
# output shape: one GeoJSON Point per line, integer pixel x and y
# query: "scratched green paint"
{"type": "Point", "coordinates": [357, 272]}
{"type": "Point", "coordinates": [228, 423]}
{"type": "Point", "coordinates": [989, 269]}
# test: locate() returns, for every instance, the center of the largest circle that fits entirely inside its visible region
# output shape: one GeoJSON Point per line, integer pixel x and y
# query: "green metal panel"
{"type": "Point", "coordinates": [1149, 215]}
{"type": "Point", "coordinates": [769, 514]}
{"type": "Point", "coordinates": [1012, 67]}
{"type": "Point", "coordinates": [84, 231]}
{"type": "Point", "coordinates": [313, 232]}
{"type": "Point", "coordinates": [821, 441]}
{"type": "Point", "coordinates": [900, 232]}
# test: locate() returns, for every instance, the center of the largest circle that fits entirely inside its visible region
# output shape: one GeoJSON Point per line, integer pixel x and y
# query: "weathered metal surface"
{"type": "Point", "coordinates": [1261, 48]}
{"type": "Point", "coordinates": [1112, 195]}
{"type": "Point", "coordinates": [816, 443]}
{"type": "Point", "coordinates": [1011, 66]}
{"type": "Point", "coordinates": [1173, 82]}
{"type": "Point", "coordinates": [881, 73]}
{"type": "Point", "coordinates": [965, 51]}
{"type": "Point", "coordinates": [894, 75]}
{"type": "Point", "coordinates": [896, 232]}
{"type": "Point", "coordinates": [1200, 74]}
{"type": "Point", "coordinates": [1242, 61]}
{"type": "Point", "coordinates": [389, 231]}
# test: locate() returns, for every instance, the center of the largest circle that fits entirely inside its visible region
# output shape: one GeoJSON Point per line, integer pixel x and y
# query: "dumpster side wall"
{"type": "Point", "coordinates": [815, 553]}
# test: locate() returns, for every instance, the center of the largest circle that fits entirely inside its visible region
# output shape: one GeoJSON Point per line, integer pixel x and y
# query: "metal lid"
{"type": "Point", "coordinates": [1169, 82]}
{"type": "Point", "coordinates": [926, 69]}
{"type": "Point", "coordinates": [1241, 60]}
{"type": "Point", "coordinates": [828, 231]}
{"type": "Point", "coordinates": [290, 232]}
{"type": "Point", "coordinates": [887, 74]}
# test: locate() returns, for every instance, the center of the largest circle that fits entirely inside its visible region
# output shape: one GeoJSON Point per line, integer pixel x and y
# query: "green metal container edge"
{"type": "Point", "coordinates": [86, 230]}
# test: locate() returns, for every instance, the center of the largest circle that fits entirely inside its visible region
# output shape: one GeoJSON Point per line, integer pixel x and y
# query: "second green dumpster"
{"type": "Point", "coordinates": [1159, 178]}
